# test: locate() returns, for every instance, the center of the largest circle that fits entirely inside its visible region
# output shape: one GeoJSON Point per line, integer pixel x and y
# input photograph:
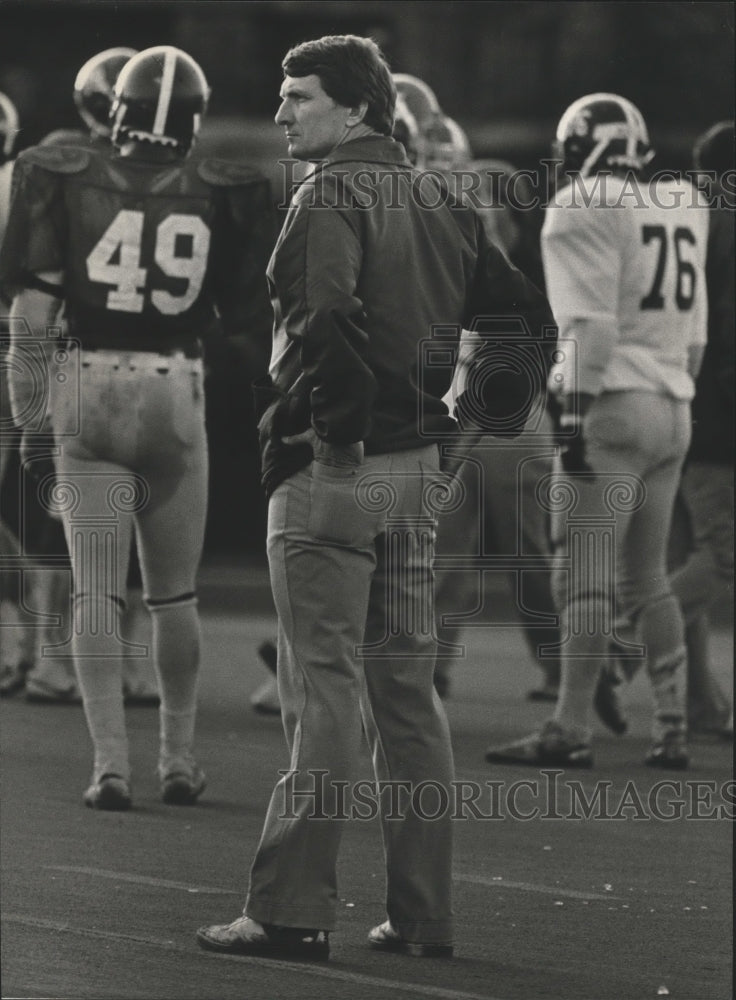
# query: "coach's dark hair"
{"type": "Point", "coordinates": [351, 70]}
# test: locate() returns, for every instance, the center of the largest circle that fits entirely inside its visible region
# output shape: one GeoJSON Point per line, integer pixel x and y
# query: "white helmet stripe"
{"type": "Point", "coordinates": [7, 110]}
{"type": "Point", "coordinates": [631, 121]}
{"type": "Point", "coordinates": [164, 94]}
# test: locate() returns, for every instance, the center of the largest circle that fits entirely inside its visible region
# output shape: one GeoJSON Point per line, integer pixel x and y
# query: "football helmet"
{"type": "Point", "coordinates": [93, 88]}
{"type": "Point", "coordinates": [602, 132]}
{"type": "Point", "coordinates": [418, 98]}
{"type": "Point", "coordinates": [8, 128]}
{"type": "Point", "coordinates": [447, 145]}
{"type": "Point", "coordinates": [160, 97]}
{"type": "Point", "coordinates": [714, 149]}
{"type": "Point", "coordinates": [406, 131]}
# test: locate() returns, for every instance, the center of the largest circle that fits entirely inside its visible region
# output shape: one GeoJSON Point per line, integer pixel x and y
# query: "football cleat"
{"type": "Point", "coordinates": [111, 792]}
{"type": "Point", "coordinates": [160, 97]}
{"type": "Point", "coordinates": [551, 747]}
{"type": "Point", "coordinates": [670, 752]}
{"type": "Point", "coordinates": [93, 88]}
{"type": "Point", "coordinates": [8, 128]}
{"type": "Point", "coordinates": [182, 781]}
{"type": "Point", "coordinates": [602, 132]}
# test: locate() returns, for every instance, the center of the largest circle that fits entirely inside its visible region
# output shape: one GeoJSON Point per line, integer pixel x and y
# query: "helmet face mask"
{"type": "Point", "coordinates": [160, 98]}
{"type": "Point", "coordinates": [602, 132]}
{"type": "Point", "coordinates": [93, 88]}
{"type": "Point", "coordinates": [8, 128]}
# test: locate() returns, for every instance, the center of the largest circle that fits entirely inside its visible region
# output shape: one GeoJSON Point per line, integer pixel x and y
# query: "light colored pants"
{"type": "Point", "coordinates": [133, 450]}
{"type": "Point", "coordinates": [707, 492]}
{"type": "Point", "coordinates": [642, 438]}
{"type": "Point", "coordinates": [501, 516]}
{"type": "Point", "coordinates": [133, 453]}
{"type": "Point", "coordinates": [705, 573]}
{"type": "Point", "coordinates": [351, 572]}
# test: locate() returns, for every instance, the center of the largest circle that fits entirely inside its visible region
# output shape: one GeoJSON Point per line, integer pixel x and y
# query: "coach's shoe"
{"type": "Point", "coordinates": [111, 792]}
{"type": "Point", "coordinates": [182, 782]}
{"type": "Point", "coordinates": [245, 936]}
{"type": "Point", "coordinates": [550, 747]}
{"type": "Point", "coordinates": [385, 938]}
{"type": "Point", "coordinates": [669, 752]}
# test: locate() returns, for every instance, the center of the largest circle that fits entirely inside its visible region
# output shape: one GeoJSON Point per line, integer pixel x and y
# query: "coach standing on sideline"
{"type": "Point", "coordinates": [362, 270]}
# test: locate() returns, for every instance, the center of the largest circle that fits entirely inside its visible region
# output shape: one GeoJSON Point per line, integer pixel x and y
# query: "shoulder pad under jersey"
{"type": "Point", "coordinates": [57, 159]}
{"type": "Point", "coordinates": [228, 173]}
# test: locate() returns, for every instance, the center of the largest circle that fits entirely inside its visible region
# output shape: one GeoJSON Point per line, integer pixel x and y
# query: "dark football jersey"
{"type": "Point", "coordinates": [150, 251]}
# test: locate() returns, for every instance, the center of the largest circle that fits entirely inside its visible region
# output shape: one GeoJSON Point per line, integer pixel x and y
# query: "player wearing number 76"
{"type": "Point", "coordinates": [624, 265]}
{"type": "Point", "coordinates": [143, 248]}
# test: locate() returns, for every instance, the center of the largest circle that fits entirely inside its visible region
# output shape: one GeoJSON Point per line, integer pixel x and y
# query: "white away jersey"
{"type": "Point", "coordinates": [624, 263]}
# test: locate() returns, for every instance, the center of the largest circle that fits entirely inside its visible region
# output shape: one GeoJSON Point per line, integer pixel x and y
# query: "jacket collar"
{"type": "Point", "coordinates": [368, 149]}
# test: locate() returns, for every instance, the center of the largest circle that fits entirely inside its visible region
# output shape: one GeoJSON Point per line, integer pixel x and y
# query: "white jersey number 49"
{"type": "Point", "coordinates": [115, 260]}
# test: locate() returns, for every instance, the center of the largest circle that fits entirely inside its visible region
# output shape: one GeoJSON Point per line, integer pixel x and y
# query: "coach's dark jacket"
{"type": "Point", "coordinates": [713, 407]}
{"type": "Point", "coordinates": [375, 265]}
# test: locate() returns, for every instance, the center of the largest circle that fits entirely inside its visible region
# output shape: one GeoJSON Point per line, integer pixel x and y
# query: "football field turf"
{"type": "Point", "coordinates": [610, 884]}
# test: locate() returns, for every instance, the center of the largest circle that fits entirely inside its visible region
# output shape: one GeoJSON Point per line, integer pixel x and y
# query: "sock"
{"type": "Point", "coordinates": [663, 635]}
{"type": "Point", "coordinates": [99, 672]}
{"type": "Point", "coordinates": [176, 656]}
{"type": "Point", "coordinates": [583, 655]}
{"type": "Point", "coordinates": [578, 681]}
{"type": "Point", "coordinates": [51, 594]}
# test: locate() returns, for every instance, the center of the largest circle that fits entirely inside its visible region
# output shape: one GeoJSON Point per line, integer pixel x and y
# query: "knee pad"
{"type": "Point", "coordinates": [155, 604]}
{"type": "Point", "coordinates": [84, 597]}
{"type": "Point", "coordinates": [95, 613]}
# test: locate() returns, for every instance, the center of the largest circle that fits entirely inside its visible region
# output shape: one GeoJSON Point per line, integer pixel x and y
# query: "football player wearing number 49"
{"type": "Point", "coordinates": [624, 264]}
{"type": "Point", "coordinates": [141, 247]}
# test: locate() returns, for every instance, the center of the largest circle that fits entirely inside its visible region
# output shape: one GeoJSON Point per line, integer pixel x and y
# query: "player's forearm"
{"type": "Point", "coordinates": [31, 314]}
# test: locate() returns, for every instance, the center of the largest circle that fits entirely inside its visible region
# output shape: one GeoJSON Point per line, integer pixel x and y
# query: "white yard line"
{"type": "Point", "coordinates": [548, 890]}
{"type": "Point", "coordinates": [158, 883]}
{"type": "Point", "coordinates": [388, 987]}
{"type": "Point", "coordinates": [487, 881]}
